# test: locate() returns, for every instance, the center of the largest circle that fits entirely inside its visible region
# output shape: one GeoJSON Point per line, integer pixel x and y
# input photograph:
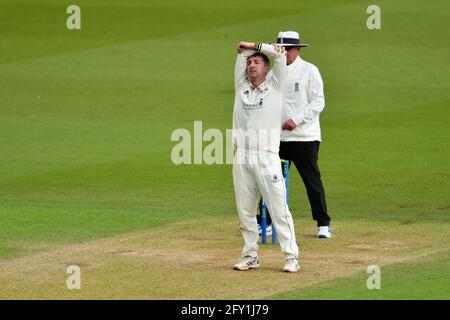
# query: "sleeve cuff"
{"type": "Point", "coordinates": [298, 119]}
{"type": "Point", "coordinates": [264, 47]}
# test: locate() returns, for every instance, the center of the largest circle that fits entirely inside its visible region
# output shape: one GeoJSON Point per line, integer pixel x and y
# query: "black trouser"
{"type": "Point", "coordinates": [305, 156]}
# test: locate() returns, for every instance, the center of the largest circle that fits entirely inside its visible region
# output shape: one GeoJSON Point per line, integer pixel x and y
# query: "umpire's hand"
{"type": "Point", "coordinates": [289, 125]}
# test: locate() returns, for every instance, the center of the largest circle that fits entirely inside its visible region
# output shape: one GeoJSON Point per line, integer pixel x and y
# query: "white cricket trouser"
{"type": "Point", "coordinates": [255, 174]}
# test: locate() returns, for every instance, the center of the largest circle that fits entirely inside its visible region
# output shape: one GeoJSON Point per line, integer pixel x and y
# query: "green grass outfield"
{"type": "Point", "coordinates": [86, 118]}
{"type": "Point", "coordinates": [427, 279]}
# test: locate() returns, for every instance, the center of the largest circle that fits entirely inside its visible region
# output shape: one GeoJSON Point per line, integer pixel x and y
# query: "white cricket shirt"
{"type": "Point", "coordinates": [257, 111]}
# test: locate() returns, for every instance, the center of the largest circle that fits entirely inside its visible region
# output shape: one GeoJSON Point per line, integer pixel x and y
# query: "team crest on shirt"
{"type": "Point", "coordinates": [253, 106]}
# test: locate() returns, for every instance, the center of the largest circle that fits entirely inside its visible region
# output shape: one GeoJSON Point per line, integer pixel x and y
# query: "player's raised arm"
{"type": "Point", "coordinates": [245, 50]}
{"type": "Point", "coordinates": [278, 54]}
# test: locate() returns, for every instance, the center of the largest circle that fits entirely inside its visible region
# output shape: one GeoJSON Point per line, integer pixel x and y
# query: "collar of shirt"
{"type": "Point", "coordinates": [297, 61]}
{"type": "Point", "coordinates": [262, 87]}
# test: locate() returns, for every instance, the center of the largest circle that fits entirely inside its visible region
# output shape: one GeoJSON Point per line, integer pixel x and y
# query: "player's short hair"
{"type": "Point", "coordinates": [263, 56]}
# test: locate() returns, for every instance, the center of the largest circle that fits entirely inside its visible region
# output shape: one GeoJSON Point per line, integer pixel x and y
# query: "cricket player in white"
{"type": "Point", "coordinates": [256, 168]}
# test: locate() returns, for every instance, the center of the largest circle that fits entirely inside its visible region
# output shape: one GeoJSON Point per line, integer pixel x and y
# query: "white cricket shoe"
{"type": "Point", "coordinates": [324, 232]}
{"type": "Point", "coordinates": [291, 265]}
{"type": "Point", "coordinates": [247, 262]}
{"type": "Point", "coordinates": [268, 229]}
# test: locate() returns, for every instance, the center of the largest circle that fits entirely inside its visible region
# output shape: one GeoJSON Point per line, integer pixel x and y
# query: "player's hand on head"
{"type": "Point", "coordinates": [241, 46]}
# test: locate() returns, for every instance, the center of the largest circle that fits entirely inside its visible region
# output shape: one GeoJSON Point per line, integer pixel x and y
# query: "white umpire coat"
{"type": "Point", "coordinates": [303, 101]}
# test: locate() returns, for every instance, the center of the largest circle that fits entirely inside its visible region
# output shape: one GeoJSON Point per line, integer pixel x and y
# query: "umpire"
{"type": "Point", "coordinates": [301, 137]}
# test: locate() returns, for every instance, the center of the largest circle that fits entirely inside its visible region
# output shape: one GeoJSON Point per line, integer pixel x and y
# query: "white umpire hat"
{"type": "Point", "coordinates": [290, 39]}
